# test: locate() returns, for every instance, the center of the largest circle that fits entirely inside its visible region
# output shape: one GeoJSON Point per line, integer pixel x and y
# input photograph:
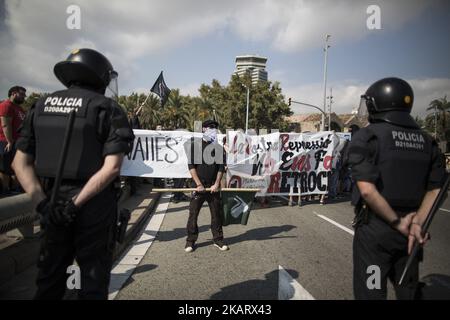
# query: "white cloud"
{"type": "Point", "coordinates": [427, 90]}
{"type": "Point", "coordinates": [299, 25]}
{"type": "Point", "coordinates": [346, 95]}
{"type": "Point", "coordinates": [190, 89]}
{"type": "Point", "coordinates": [36, 36]}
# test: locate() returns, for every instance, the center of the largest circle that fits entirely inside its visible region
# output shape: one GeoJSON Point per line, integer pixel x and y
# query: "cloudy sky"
{"type": "Point", "coordinates": [195, 41]}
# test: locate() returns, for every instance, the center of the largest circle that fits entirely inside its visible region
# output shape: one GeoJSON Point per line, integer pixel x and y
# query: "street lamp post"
{"type": "Point", "coordinates": [325, 80]}
{"type": "Point", "coordinates": [246, 117]}
{"type": "Point", "coordinates": [329, 108]}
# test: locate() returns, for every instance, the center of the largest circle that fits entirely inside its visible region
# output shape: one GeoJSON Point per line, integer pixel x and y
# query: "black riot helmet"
{"type": "Point", "coordinates": [89, 68]}
{"type": "Point", "coordinates": [389, 100]}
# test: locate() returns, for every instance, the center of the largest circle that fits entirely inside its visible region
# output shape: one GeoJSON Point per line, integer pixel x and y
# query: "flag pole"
{"type": "Point", "coordinates": [146, 99]}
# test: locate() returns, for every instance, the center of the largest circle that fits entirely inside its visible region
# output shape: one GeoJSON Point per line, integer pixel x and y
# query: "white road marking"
{"type": "Point", "coordinates": [289, 288]}
{"type": "Point", "coordinates": [130, 260]}
{"type": "Point", "coordinates": [446, 210]}
{"type": "Point", "coordinates": [335, 223]}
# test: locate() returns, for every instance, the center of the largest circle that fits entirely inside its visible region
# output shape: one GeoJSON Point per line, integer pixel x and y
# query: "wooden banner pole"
{"type": "Point", "coordinates": [206, 189]}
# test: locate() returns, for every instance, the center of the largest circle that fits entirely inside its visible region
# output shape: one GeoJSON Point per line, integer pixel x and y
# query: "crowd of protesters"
{"type": "Point", "coordinates": [11, 116]}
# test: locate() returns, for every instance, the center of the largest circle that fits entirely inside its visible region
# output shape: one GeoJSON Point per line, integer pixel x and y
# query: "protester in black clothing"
{"type": "Point", "coordinates": [206, 167]}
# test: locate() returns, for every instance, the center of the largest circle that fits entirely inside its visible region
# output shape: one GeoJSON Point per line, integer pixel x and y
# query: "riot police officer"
{"type": "Point", "coordinates": [398, 170]}
{"type": "Point", "coordinates": [82, 223]}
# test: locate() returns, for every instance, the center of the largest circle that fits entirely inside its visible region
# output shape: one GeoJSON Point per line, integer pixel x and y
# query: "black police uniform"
{"type": "Point", "coordinates": [403, 162]}
{"type": "Point", "coordinates": [207, 174]}
{"type": "Point", "coordinates": [101, 128]}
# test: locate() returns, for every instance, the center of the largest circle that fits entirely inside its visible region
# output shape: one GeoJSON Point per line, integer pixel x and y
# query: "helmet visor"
{"type": "Point", "coordinates": [363, 113]}
{"type": "Point", "coordinates": [112, 90]}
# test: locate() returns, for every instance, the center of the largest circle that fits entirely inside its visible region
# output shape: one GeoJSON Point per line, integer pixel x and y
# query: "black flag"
{"type": "Point", "coordinates": [161, 89]}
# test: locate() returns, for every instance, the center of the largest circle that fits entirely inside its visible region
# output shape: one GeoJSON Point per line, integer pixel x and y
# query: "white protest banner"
{"type": "Point", "coordinates": [252, 159]}
{"type": "Point", "coordinates": [307, 162]}
{"type": "Point", "coordinates": [304, 161]}
{"type": "Point", "coordinates": [277, 163]}
{"type": "Point", "coordinates": [158, 154]}
{"type": "Point", "coordinates": [251, 155]}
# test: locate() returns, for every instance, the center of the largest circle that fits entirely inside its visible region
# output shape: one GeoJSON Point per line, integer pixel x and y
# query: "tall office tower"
{"type": "Point", "coordinates": [252, 64]}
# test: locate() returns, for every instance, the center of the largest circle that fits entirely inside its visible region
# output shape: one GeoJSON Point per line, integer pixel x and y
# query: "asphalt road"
{"type": "Point", "coordinates": [312, 243]}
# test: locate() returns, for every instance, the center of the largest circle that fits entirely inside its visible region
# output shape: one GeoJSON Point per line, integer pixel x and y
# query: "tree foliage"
{"type": "Point", "coordinates": [31, 99]}
{"type": "Point", "coordinates": [227, 104]}
{"type": "Point", "coordinates": [439, 120]}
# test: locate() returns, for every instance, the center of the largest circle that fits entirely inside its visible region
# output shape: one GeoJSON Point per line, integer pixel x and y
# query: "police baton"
{"type": "Point", "coordinates": [62, 158]}
{"type": "Point", "coordinates": [437, 203]}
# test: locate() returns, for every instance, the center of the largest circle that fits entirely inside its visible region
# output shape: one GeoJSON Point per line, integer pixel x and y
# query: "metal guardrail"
{"type": "Point", "coordinates": [16, 212]}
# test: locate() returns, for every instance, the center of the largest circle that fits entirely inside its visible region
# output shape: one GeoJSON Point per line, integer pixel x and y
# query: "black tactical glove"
{"type": "Point", "coordinates": [43, 209]}
{"type": "Point", "coordinates": [62, 214]}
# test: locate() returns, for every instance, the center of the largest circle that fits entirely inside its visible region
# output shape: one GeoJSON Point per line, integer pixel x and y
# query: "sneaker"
{"type": "Point", "coordinates": [221, 246]}
{"type": "Point", "coordinates": [189, 247]}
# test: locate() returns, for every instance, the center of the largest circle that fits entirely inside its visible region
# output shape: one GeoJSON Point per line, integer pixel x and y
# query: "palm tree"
{"type": "Point", "coordinates": [443, 106]}
{"type": "Point", "coordinates": [175, 99]}
{"type": "Point", "coordinates": [176, 111]}
{"type": "Point", "coordinates": [151, 114]}
{"type": "Point", "coordinates": [191, 117]}
{"type": "Point", "coordinates": [183, 115]}
{"type": "Point", "coordinates": [170, 117]}
{"type": "Point", "coordinates": [127, 102]}
{"type": "Point", "coordinates": [196, 113]}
